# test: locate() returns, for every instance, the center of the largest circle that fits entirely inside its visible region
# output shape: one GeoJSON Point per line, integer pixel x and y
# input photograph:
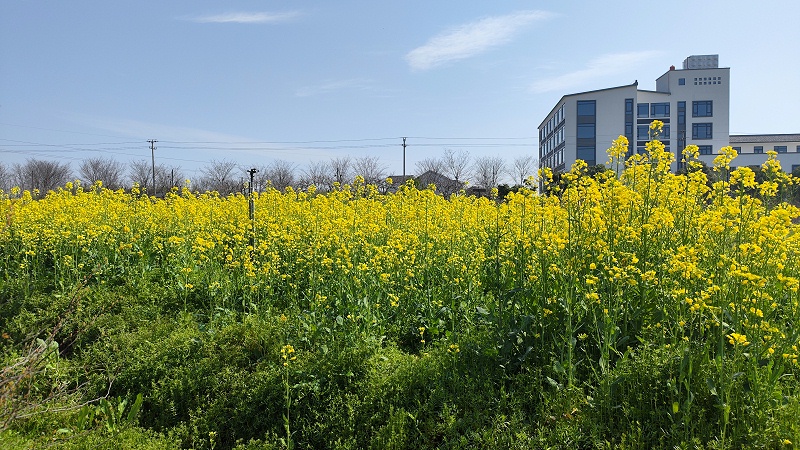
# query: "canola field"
{"type": "Point", "coordinates": [641, 310]}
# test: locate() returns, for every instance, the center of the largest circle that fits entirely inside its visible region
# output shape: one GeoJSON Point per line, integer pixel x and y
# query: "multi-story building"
{"type": "Point", "coordinates": [693, 103]}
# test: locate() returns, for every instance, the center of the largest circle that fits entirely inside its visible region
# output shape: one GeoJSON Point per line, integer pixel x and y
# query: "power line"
{"type": "Point", "coordinates": [310, 148]}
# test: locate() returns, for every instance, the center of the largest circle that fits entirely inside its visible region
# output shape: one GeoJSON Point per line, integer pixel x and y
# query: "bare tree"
{"type": "Point", "coordinates": [222, 177]}
{"type": "Point", "coordinates": [141, 173]}
{"type": "Point", "coordinates": [430, 165]}
{"type": "Point", "coordinates": [42, 175]}
{"type": "Point", "coordinates": [522, 167]}
{"type": "Point", "coordinates": [280, 174]}
{"type": "Point", "coordinates": [5, 178]}
{"type": "Point", "coordinates": [456, 164]}
{"type": "Point", "coordinates": [488, 170]}
{"type": "Point", "coordinates": [370, 168]}
{"type": "Point", "coordinates": [317, 174]}
{"type": "Point", "coordinates": [107, 170]}
{"type": "Point", "coordinates": [340, 170]}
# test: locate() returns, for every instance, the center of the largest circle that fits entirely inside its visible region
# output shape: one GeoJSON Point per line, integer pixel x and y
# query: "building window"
{"type": "Point", "coordinates": [758, 149]}
{"type": "Point", "coordinates": [795, 167]}
{"type": "Point", "coordinates": [702, 108]}
{"type": "Point", "coordinates": [681, 81]}
{"type": "Point", "coordinates": [587, 154]}
{"type": "Point", "coordinates": [798, 149]}
{"type": "Point", "coordinates": [629, 123]}
{"type": "Point", "coordinates": [642, 110]}
{"type": "Point", "coordinates": [702, 131]}
{"type": "Point", "coordinates": [738, 149]}
{"type": "Point", "coordinates": [659, 110]}
{"type": "Point", "coordinates": [586, 108]}
{"type": "Point", "coordinates": [704, 149]}
{"type": "Point", "coordinates": [681, 129]}
{"type": "Point", "coordinates": [643, 132]}
{"type": "Point", "coordinates": [781, 148]}
{"type": "Point", "coordinates": [586, 131]}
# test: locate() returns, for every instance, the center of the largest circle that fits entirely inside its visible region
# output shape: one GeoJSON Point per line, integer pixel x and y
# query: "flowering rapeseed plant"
{"type": "Point", "coordinates": [643, 258]}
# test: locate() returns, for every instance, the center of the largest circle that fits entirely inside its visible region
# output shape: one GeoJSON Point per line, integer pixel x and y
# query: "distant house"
{"type": "Point", "coordinates": [751, 149]}
{"type": "Point", "coordinates": [478, 191]}
{"type": "Point", "coordinates": [444, 185]}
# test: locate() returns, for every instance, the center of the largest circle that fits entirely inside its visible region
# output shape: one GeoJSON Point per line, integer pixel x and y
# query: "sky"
{"type": "Point", "coordinates": [301, 81]}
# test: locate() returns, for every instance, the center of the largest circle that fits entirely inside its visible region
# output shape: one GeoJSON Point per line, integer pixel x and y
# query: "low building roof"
{"type": "Point", "coordinates": [755, 138]}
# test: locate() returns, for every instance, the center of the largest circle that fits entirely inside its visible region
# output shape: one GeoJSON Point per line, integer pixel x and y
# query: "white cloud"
{"type": "Point", "coordinates": [359, 84]}
{"type": "Point", "coordinates": [246, 17]}
{"type": "Point", "coordinates": [471, 39]}
{"type": "Point", "coordinates": [601, 66]}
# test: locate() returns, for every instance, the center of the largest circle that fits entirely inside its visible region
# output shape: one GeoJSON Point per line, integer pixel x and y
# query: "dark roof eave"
{"type": "Point", "coordinates": [753, 138]}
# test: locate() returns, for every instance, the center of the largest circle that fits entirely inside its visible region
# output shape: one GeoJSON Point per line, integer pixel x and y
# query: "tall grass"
{"type": "Point", "coordinates": [645, 310]}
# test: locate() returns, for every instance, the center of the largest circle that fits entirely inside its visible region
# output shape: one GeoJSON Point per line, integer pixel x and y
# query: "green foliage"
{"type": "Point", "coordinates": [643, 311]}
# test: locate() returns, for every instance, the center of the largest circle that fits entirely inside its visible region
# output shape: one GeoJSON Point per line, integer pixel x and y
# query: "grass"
{"type": "Point", "coordinates": [645, 310]}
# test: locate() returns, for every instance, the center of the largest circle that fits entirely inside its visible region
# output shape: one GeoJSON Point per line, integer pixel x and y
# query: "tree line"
{"type": "Point", "coordinates": [225, 177]}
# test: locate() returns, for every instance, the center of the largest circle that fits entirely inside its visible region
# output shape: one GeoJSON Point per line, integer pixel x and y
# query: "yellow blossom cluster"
{"type": "Point", "coordinates": [646, 249]}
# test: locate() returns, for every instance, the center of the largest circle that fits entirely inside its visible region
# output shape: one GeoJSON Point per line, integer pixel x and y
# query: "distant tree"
{"type": "Point", "coordinates": [504, 189]}
{"type": "Point", "coordinates": [107, 170]}
{"type": "Point", "coordinates": [796, 187]}
{"type": "Point", "coordinates": [559, 183]}
{"type": "Point", "coordinates": [280, 174]}
{"type": "Point", "coordinates": [42, 175]}
{"type": "Point", "coordinates": [430, 164]}
{"type": "Point", "coordinates": [456, 164]}
{"type": "Point", "coordinates": [488, 170]}
{"type": "Point", "coordinates": [340, 169]}
{"type": "Point", "coordinates": [522, 167]}
{"type": "Point", "coordinates": [222, 177]}
{"type": "Point", "coordinates": [5, 178]}
{"type": "Point", "coordinates": [141, 173]}
{"type": "Point", "coordinates": [371, 169]}
{"type": "Point", "coordinates": [317, 173]}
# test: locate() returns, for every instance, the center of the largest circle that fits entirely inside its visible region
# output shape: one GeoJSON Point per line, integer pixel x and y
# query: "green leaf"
{"type": "Point", "coordinates": [137, 404]}
{"type": "Point", "coordinates": [711, 386]}
{"type": "Point", "coordinates": [554, 383]}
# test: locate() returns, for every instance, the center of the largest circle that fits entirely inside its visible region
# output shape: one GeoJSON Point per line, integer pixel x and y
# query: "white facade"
{"type": "Point", "coordinates": [752, 149]}
{"type": "Point", "coordinates": [693, 103]}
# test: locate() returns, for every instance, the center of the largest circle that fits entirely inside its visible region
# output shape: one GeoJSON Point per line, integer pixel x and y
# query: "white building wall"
{"type": "Point", "coordinates": [748, 156]}
{"type": "Point", "coordinates": [609, 123]}
{"type": "Point", "coordinates": [702, 81]}
{"type": "Point", "coordinates": [685, 85]}
{"type": "Point", "coordinates": [611, 117]}
{"type": "Point", "coordinates": [718, 93]}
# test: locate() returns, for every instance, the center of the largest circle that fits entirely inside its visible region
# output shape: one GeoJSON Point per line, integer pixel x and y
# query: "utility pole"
{"type": "Point", "coordinates": [252, 173]}
{"type": "Point", "coordinates": [404, 160]}
{"type": "Point", "coordinates": [153, 158]}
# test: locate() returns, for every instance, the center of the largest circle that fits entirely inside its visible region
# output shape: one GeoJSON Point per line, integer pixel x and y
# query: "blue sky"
{"type": "Point", "coordinates": [254, 81]}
